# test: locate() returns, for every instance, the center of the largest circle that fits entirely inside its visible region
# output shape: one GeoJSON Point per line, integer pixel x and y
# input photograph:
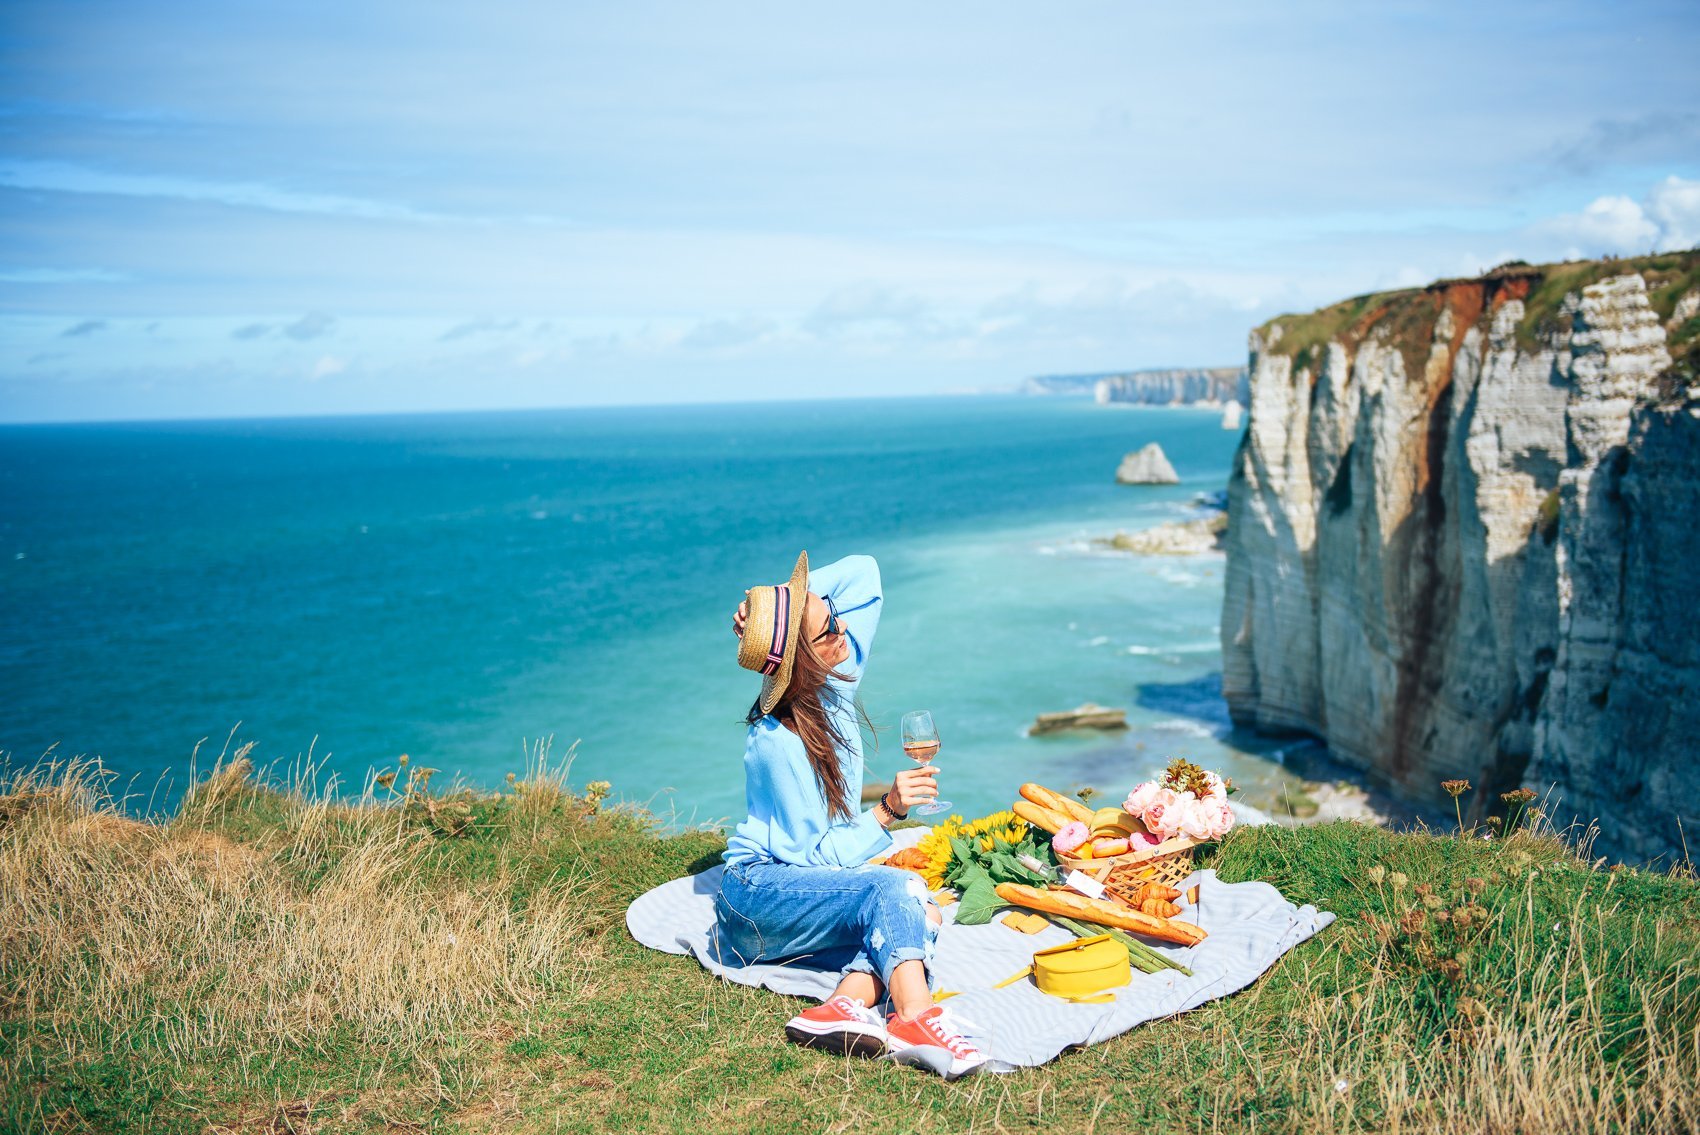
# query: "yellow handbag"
{"type": "Point", "coordinates": [1079, 971]}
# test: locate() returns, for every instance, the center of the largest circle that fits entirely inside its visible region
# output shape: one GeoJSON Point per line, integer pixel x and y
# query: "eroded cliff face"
{"type": "Point", "coordinates": [1455, 526]}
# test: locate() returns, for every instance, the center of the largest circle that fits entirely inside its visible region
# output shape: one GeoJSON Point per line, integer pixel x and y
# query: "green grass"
{"type": "Point", "coordinates": [1570, 1004]}
{"type": "Point", "coordinates": [1409, 314]}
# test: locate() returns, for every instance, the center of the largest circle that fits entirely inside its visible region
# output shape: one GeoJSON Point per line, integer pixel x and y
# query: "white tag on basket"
{"type": "Point", "coordinates": [1085, 884]}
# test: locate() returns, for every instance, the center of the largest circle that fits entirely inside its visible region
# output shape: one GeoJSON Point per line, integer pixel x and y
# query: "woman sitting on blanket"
{"type": "Point", "coordinates": [797, 881]}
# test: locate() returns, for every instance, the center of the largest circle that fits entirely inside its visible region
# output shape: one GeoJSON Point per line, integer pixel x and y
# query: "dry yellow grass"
{"type": "Point", "coordinates": [337, 918]}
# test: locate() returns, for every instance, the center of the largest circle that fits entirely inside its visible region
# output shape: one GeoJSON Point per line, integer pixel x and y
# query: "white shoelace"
{"type": "Point", "coordinates": [949, 1029]}
{"type": "Point", "coordinates": [854, 1006]}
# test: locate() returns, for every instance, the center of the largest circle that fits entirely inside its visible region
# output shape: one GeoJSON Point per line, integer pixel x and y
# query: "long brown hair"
{"type": "Point", "coordinates": [803, 706]}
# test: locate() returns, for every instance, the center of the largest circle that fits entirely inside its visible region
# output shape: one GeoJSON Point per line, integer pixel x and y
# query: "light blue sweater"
{"type": "Point", "coordinates": [788, 819]}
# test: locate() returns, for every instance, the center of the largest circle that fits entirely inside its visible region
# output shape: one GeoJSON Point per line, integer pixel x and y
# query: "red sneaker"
{"type": "Point", "coordinates": [843, 1024]}
{"type": "Point", "coordinates": [932, 1041]}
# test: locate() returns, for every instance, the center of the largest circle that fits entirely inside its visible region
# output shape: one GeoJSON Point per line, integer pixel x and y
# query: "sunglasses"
{"type": "Point", "coordinates": [833, 626]}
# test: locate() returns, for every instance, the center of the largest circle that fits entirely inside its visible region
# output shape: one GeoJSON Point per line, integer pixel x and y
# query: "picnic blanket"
{"type": "Point", "coordinates": [1250, 925]}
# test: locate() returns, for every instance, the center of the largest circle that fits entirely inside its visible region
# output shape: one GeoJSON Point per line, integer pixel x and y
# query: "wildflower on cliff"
{"type": "Point", "coordinates": [1376, 874]}
{"type": "Point", "coordinates": [1517, 803]}
{"type": "Point", "coordinates": [1433, 902]}
{"type": "Point", "coordinates": [1475, 885]}
{"type": "Point", "coordinates": [1398, 879]}
{"type": "Point", "coordinates": [1455, 789]}
{"type": "Point", "coordinates": [386, 779]}
{"type": "Point", "coordinates": [597, 791]}
{"type": "Point", "coordinates": [1413, 922]}
{"type": "Point", "coordinates": [402, 760]}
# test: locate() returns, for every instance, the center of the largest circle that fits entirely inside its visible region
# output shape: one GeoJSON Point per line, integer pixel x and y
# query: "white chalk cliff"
{"type": "Point", "coordinates": [1173, 387]}
{"type": "Point", "coordinates": [1464, 540]}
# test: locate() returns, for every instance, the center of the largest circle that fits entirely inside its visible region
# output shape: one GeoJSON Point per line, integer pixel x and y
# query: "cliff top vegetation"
{"type": "Point", "coordinates": [268, 959]}
{"type": "Point", "coordinates": [1409, 315]}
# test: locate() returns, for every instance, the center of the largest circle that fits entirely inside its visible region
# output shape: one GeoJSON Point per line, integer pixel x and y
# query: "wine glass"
{"type": "Point", "coordinates": [921, 745]}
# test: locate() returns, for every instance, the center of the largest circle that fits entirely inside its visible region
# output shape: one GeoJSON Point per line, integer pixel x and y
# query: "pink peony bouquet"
{"type": "Point", "coordinates": [1185, 800]}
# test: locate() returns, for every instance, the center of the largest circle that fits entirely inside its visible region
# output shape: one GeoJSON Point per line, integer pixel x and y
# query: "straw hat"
{"type": "Point", "coordinates": [769, 645]}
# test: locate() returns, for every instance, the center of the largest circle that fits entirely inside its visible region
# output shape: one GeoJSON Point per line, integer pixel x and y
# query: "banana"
{"type": "Point", "coordinates": [1114, 822]}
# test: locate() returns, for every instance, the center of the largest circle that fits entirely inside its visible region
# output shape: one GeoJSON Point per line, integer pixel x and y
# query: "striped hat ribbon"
{"type": "Point", "coordinates": [781, 628]}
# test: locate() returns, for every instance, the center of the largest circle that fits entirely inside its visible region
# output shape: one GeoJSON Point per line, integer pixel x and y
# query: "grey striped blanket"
{"type": "Point", "coordinates": [1250, 926]}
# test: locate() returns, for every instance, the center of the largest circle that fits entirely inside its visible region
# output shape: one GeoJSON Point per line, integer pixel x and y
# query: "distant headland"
{"type": "Point", "coordinates": [1173, 386]}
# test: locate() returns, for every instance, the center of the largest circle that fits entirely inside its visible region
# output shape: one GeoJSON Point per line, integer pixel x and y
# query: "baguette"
{"type": "Point", "coordinates": [1040, 817]}
{"type": "Point", "coordinates": [1103, 913]}
{"type": "Point", "coordinates": [1057, 802]}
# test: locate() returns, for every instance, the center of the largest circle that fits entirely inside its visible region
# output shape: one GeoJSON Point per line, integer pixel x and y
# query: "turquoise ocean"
{"type": "Point", "coordinates": [458, 587]}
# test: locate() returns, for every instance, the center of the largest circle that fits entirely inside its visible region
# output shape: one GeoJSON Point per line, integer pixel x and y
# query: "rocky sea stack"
{"type": "Point", "coordinates": [1463, 543]}
{"type": "Point", "coordinates": [1147, 466]}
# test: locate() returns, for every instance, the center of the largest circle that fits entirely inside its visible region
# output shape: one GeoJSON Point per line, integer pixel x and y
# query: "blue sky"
{"type": "Point", "coordinates": [232, 209]}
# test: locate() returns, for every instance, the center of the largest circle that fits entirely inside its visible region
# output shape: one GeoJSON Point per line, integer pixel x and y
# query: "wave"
{"type": "Point", "coordinates": [1179, 648]}
{"type": "Point", "coordinates": [1181, 725]}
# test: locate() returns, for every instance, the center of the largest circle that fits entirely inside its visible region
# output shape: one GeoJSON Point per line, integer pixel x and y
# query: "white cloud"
{"type": "Point", "coordinates": [1667, 218]}
{"type": "Point", "coordinates": [473, 327]}
{"type": "Point", "coordinates": [62, 177]}
{"type": "Point", "coordinates": [863, 303]}
{"type": "Point", "coordinates": [720, 334]}
{"type": "Point", "coordinates": [61, 276]}
{"type": "Point", "coordinates": [310, 326]}
{"type": "Point", "coordinates": [326, 367]}
{"type": "Point", "coordinates": [1674, 205]}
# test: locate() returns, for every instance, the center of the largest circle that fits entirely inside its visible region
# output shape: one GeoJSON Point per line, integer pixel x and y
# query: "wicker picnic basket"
{"type": "Point", "coordinates": [1168, 862]}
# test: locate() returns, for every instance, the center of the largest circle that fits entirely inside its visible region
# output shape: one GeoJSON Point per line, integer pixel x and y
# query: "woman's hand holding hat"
{"type": "Point", "coordinates": [741, 616]}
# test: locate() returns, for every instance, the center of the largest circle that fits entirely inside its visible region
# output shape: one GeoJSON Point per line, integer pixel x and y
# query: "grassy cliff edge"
{"type": "Point", "coordinates": [270, 960]}
{"type": "Point", "coordinates": [1409, 315]}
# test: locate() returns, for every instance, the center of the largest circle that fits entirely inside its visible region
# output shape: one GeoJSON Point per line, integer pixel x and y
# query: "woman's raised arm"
{"type": "Point", "coordinates": [853, 585]}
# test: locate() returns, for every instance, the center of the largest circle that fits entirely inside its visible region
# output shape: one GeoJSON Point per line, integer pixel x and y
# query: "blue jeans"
{"type": "Point", "coordinates": [844, 918]}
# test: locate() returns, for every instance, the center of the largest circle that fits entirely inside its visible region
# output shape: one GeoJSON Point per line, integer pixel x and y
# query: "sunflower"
{"type": "Point", "coordinates": [1006, 827]}
{"type": "Point", "coordinates": [1000, 827]}
{"type": "Point", "coordinates": [935, 845]}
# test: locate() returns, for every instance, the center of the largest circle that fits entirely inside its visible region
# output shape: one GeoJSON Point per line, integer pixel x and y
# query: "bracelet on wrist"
{"type": "Point", "coordinates": [885, 802]}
